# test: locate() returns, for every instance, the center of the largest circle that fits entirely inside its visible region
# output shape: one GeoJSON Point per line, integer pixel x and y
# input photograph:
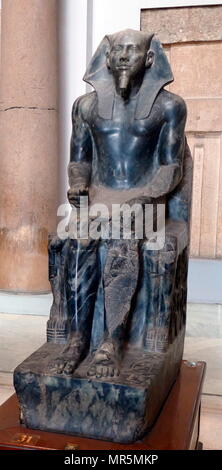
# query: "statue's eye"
{"type": "Point", "coordinates": [133, 47]}
{"type": "Point", "coordinates": [117, 48]}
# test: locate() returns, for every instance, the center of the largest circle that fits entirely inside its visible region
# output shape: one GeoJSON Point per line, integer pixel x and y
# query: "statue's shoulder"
{"type": "Point", "coordinates": [83, 105]}
{"type": "Point", "coordinates": [173, 105]}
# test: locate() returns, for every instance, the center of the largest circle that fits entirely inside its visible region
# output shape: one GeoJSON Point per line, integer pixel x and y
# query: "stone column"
{"type": "Point", "coordinates": [29, 150]}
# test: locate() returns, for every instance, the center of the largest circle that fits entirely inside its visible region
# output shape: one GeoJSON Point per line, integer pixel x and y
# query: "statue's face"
{"type": "Point", "coordinates": [128, 53]}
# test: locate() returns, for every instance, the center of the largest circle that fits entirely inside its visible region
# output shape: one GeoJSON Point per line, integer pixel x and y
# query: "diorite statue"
{"type": "Point", "coordinates": [116, 327]}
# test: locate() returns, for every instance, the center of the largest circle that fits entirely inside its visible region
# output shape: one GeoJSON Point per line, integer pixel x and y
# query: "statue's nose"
{"type": "Point", "coordinates": [124, 58]}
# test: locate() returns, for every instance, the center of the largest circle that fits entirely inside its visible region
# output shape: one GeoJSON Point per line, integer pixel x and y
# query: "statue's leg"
{"type": "Point", "coordinates": [81, 280]}
{"type": "Point", "coordinates": [58, 323]}
{"type": "Point", "coordinates": [120, 277]}
{"type": "Point", "coordinates": [160, 273]}
{"type": "Point", "coordinates": [179, 302]}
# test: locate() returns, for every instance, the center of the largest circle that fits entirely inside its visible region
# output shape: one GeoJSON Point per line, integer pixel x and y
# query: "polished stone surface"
{"type": "Point", "coordinates": [127, 146]}
{"type": "Point", "coordinates": [119, 305]}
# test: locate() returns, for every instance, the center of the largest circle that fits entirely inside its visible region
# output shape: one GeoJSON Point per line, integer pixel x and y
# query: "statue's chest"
{"type": "Point", "coordinates": [124, 125]}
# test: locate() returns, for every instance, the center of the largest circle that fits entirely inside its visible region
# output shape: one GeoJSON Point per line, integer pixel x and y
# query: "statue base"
{"type": "Point", "coordinates": [118, 409]}
{"type": "Point", "coordinates": [177, 426]}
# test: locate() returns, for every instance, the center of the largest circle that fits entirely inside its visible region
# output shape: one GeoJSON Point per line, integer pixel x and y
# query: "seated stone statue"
{"type": "Point", "coordinates": [117, 322]}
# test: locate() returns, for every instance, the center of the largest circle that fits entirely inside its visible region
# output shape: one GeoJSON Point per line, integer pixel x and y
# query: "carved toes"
{"type": "Point", "coordinates": [69, 368]}
{"type": "Point", "coordinates": [58, 366]}
{"type": "Point", "coordinates": [102, 370]}
{"type": "Point", "coordinates": [63, 366]}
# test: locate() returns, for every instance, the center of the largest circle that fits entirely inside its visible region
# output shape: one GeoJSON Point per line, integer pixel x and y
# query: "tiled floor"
{"type": "Point", "coordinates": [204, 342]}
{"type": "Point", "coordinates": [20, 335]}
{"type": "Point", "coordinates": [211, 422]}
{"type": "Point", "coordinates": [5, 393]}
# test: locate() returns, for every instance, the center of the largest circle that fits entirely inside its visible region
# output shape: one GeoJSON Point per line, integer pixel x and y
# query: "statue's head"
{"type": "Point", "coordinates": [125, 59]}
{"type": "Point", "coordinates": [128, 56]}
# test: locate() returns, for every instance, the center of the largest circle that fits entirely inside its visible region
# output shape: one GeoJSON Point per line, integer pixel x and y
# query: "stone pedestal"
{"type": "Point", "coordinates": [119, 409]}
{"type": "Point", "coordinates": [177, 426]}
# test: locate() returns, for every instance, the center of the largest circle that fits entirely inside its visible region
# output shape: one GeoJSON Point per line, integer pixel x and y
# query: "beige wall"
{"type": "Point", "coordinates": [191, 37]}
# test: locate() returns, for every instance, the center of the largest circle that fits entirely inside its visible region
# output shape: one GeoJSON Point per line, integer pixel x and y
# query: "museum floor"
{"type": "Point", "coordinates": [20, 335]}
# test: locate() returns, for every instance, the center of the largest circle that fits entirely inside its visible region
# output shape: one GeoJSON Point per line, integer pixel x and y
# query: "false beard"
{"type": "Point", "coordinates": [124, 83]}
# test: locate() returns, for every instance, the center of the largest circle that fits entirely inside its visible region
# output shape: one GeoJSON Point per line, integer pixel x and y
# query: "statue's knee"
{"type": "Point", "coordinates": [170, 244]}
{"type": "Point", "coordinates": [55, 244]}
{"type": "Point", "coordinates": [160, 261]}
{"type": "Point", "coordinates": [55, 251]}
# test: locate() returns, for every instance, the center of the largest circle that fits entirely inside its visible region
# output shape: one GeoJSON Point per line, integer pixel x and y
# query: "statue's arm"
{"type": "Point", "coordinates": [171, 147]}
{"type": "Point", "coordinates": [79, 169]}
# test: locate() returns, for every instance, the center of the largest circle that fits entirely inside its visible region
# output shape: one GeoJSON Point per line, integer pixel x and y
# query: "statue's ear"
{"type": "Point", "coordinates": [149, 59]}
{"type": "Point", "coordinates": [107, 60]}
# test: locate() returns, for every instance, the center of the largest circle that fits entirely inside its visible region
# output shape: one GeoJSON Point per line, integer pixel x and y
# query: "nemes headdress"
{"type": "Point", "coordinates": [155, 78]}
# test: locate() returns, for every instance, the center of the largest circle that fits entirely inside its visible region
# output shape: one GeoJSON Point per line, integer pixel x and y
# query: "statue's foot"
{"type": "Point", "coordinates": [65, 365]}
{"type": "Point", "coordinates": [70, 357]}
{"type": "Point", "coordinates": [105, 362]}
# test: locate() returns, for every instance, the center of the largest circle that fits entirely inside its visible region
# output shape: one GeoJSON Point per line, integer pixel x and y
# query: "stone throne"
{"type": "Point", "coordinates": [98, 284]}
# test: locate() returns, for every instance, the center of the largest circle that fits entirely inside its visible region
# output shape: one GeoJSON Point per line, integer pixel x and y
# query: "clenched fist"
{"type": "Point", "coordinates": [75, 193]}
